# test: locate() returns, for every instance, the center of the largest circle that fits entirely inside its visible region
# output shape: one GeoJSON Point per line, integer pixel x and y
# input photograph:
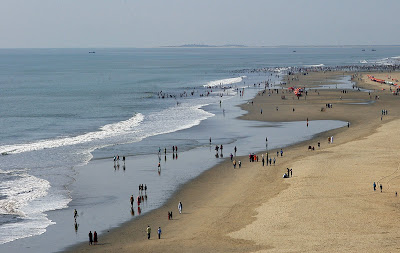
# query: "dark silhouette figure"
{"type": "Point", "coordinates": [90, 238]}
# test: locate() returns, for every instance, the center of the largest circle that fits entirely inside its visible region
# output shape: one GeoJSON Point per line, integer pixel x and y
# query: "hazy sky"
{"type": "Point", "coordinates": [153, 23]}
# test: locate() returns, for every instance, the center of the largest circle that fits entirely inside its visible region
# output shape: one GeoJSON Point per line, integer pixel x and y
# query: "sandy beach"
{"type": "Point", "coordinates": [329, 204]}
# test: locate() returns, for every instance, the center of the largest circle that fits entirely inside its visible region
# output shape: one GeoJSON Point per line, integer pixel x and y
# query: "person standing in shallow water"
{"type": "Point", "coordinates": [95, 237]}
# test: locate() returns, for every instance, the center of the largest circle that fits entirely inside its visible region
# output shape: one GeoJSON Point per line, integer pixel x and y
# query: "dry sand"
{"type": "Point", "coordinates": [328, 205]}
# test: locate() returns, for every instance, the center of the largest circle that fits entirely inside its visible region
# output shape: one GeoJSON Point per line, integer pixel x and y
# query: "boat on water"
{"type": "Point", "coordinates": [92, 52]}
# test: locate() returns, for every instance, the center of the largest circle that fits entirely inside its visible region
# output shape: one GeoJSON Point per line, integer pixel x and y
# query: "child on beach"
{"type": "Point", "coordinates": [159, 232]}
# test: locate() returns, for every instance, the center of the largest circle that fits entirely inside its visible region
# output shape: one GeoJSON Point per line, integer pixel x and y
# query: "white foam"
{"type": "Point", "coordinates": [106, 131]}
{"type": "Point", "coordinates": [386, 61]}
{"type": "Point", "coordinates": [224, 81]}
{"type": "Point", "coordinates": [20, 191]}
{"type": "Point", "coordinates": [26, 228]}
{"type": "Point", "coordinates": [174, 119]}
{"type": "Point", "coordinates": [363, 61]}
{"type": "Point", "coordinates": [279, 70]}
{"type": "Point", "coordinates": [23, 198]}
{"type": "Point", "coordinates": [315, 65]}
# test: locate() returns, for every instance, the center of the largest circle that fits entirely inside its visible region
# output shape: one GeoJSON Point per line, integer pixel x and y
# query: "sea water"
{"type": "Point", "coordinates": [63, 107]}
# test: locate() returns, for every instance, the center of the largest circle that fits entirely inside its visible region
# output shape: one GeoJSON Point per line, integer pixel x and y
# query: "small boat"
{"type": "Point", "coordinates": [373, 50]}
{"type": "Point", "coordinates": [92, 52]}
{"type": "Point", "coordinates": [363, 50]}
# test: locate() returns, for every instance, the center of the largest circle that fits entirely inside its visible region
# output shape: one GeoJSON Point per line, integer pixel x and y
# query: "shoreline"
{"type": "Point", "coordinates": [247, 174]}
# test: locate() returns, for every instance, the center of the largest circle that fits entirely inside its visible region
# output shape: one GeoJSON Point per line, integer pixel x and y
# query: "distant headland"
{"type": "Point", "coordinates": [203, 45]}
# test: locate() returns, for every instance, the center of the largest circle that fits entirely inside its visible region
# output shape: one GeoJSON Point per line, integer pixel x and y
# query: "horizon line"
{"type": "Point", "coordinates": [212, 46]}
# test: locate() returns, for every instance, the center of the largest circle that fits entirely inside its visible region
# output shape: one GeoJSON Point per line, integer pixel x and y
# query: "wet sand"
{"type": "Point", "coordinates": [328, 205]}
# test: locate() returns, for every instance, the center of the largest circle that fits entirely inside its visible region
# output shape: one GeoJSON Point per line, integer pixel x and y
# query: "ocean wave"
{"type": "Point", "coordinates": [315, 65]}
{"type": "Point", "coordinates": [224, 81]}
{"type": "Point", "coordinates": [135, 129]}
{"type": "Point", "coordinates": [106, 131]}
{"type": "Point", "coordinates": [279, 70]}
{"type": "Point", "coordinates": [19, 191]}
{"type": "Point", "coordinates": [23, 189]}
{"type": "Point", "coordinates": [176, 118]}
{"type": "Point", "coordinates": [384, 61]}
{"type": "Point", "coordinates": [363, 61]}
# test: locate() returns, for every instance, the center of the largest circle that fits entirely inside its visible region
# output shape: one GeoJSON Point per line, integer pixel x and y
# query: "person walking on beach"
{"type": "Point", "coordinates": [180, 207]}
{"type": "Point", "coordinates": [262, 160]}
{"type": "Point", "coordinates": [281, 152]}
{"type": "Point", "coordinates": [75, 214]}
{"type": "Point", "coordinates": [380, 186]}
{"type": "Point", "coordinates": [159, 232]}
{"type": "Point", "coordinates": [95, 237]}
{"type": "Point", "coordinates": [90, 238]}
{"type": "Point", "coordinates": [374, 186]}
{"type": "Point", "coordinates": [235, 149]}
{"type": "Point", "coordinates": [240, 164]}
{"type": "Point", "coordinates": [131, 200]}
{"type": "Point", "coordinates": [234, 164]}
{"type": "Point", "coordinates": [274, 161]}
{"type": "Point", "coordinates": [148, 231]}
